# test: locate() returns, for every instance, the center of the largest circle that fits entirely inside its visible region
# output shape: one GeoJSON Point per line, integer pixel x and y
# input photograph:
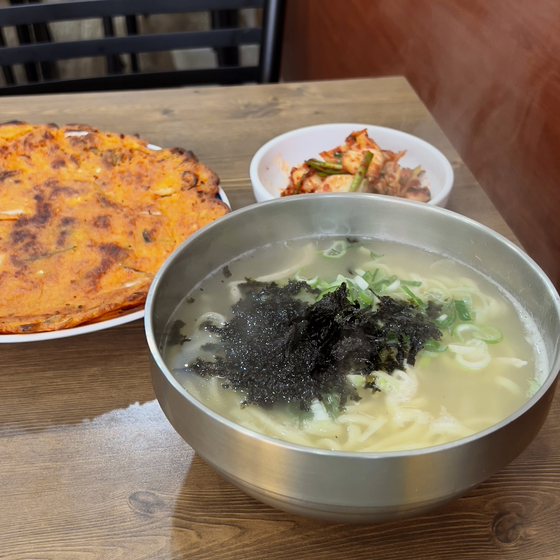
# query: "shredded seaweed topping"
{"type": "Point", "coordinates": [175, 336]}
{"type": "Point", "coordinates": [279, 346]}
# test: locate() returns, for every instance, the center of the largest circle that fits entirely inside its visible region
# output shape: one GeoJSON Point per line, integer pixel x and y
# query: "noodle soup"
{"type": "Point", "coordinates": [457, 356]}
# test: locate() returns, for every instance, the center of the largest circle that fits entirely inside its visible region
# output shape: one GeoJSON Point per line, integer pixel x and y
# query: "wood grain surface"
{"type": "Point", "coordinates": [486, 70]}
{"type": "Point", "coordinates": [91, 469]}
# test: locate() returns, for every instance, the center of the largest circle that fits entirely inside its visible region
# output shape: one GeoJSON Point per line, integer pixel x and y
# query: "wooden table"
{"type": "Point", "coordinates": [90, 467]}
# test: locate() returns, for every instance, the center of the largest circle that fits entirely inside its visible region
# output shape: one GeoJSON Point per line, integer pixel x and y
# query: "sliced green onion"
{"type": "Point", "coordinates": [327, 291]}
{"type": "Point", "coordinates": [353, 292]}
{"type": "Point", "coordinates": [383, 282]}
{"type": "Point", "coordinates": [462, 310]}
{"type": "Point", "coordinates": [332, 404]}
{"type": "Point", "coordinates": [361, 283]}
{"type": "Point", "coordinates": [392, 337]}
{"type": "Point", "coordinates": [393, 285]}
{"type": "Point", "coordinates": [365, 298]}
{"type": "Point", "coordinates": [331, 287]}
{"type": "Point", "coordinates": [490, 335]}
{"type": "Point", "coordinates": [319, 411]}
{"type": "Point", "coordinates": [534, 386]}
{"type": "Point", "coordinates": [447, 317]}
{"type": "Point", "coordinates": [313, 282]}
{"type": "Point", "coordinates": [384, 381]}
{"type": "Point", "coordinates": [328, 172]}
{"type": "Point", "coordinates": [413, 283]}
{"type": "Point", "coordinates": [444, 321]}
{"type": "Point", "coordinates": [301, 180]}
{"type": "Point", "coordinates": [369, 277]}
{"type": "Point", "coordinates": [361, 173]}
{"type": "Point", "coordinates": [324, 165]}
{"type": "Point", "coordinates": [375, 255]}
{"type": "Point", "coordinates": [412, 296]}
{"type": "Point", "coordinates": [325, 168]}
{"type": "Point", "coordinates": [434, 346]}
{"type": "Point", "coordinates": [337, 250]}
{"type": "Point", "coordinates": [295, 412]}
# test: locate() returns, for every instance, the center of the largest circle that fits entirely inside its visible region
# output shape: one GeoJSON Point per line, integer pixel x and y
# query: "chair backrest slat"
{"type": "Point", "coordinates": [118, 82]}
{"type": "Point", "coordinates": [107, 46]}
{"type": "Point", "coordinates": [84, 9]}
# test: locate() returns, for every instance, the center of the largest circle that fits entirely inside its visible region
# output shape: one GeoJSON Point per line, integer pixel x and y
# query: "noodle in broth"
{"type": "Point", "coordinates": [486, 365]}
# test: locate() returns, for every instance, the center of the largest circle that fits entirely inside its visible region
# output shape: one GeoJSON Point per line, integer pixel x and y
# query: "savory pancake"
{"type": "Point", "coordinates": [86, 220]}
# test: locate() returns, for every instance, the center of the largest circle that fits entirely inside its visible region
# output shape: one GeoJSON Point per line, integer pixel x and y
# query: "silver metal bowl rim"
{"type": "Point", "coordinates": [422, 207]}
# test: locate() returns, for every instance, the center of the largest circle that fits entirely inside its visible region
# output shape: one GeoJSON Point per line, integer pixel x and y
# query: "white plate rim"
{"type": "Point", "coordinates": [91, 327]}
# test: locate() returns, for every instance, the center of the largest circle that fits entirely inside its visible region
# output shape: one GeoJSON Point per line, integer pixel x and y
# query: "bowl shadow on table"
{"type": "Point", "coordinates": [510, 511]}
{"type": "Point", "coordinates": [68, 380]}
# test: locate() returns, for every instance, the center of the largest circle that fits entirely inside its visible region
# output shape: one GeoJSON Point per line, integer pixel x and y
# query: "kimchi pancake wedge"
{"type": "Point", "coordinates": [86, 220]}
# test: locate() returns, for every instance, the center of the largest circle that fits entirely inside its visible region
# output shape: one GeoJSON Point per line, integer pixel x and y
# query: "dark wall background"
{"type": "Point", "coordinates": [489, 72]}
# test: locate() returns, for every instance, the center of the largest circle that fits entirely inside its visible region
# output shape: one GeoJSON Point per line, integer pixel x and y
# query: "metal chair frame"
{"type": "Point", "coordinates": [225, 38]}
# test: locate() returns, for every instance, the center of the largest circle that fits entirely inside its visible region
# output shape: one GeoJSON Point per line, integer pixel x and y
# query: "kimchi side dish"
{"type": "Point", "coordinates": [358, 165]}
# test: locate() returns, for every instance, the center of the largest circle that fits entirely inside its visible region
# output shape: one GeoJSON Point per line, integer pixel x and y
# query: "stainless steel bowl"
{"type": "Point", "coordinates": [330, 485]}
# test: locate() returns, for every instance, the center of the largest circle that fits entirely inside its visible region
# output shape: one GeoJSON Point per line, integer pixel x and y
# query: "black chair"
{"type": "Point", "coordinates": [39, 55]}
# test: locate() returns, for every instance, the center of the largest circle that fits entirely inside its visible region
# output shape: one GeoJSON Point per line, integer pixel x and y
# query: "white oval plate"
{"type": "Point", "coordinates": [126, 317]}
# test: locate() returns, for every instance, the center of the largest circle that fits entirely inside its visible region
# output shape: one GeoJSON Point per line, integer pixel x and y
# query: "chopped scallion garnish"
{"type": "Point", "coordinates": [434, 346]}
{"type": "Point", "coordinates": [412, 296]}
{"type": "Point", "coordinates": [337, 250]}
{"type": "Point", "coordinates": [462, 310]}
{"type": "Point", "coordinates": [361, 173]}
{"type": "Point", "coordinates": [413, 283]}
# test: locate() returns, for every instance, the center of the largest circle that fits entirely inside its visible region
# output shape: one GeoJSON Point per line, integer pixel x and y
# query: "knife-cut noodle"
{"type": "Point", "coordinates": [482, 362]}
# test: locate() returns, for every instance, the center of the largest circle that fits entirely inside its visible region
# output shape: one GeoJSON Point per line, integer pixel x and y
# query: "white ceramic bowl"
{"type": "Point", "coordinates": [272, 163]}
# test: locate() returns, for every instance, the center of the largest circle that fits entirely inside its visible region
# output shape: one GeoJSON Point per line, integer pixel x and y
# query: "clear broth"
{"type": "Point", "coordinates": [436, 401]}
